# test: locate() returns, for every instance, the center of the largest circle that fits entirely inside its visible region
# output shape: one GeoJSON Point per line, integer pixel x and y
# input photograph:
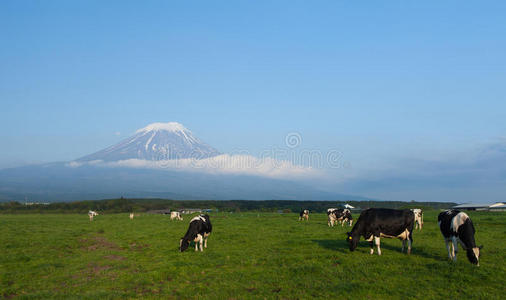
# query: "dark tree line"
{"type": "Point", "coordinates": [142, 205]}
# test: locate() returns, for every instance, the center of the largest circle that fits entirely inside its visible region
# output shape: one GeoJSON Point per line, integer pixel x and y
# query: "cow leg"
{"type": "Point", "coordinates": [447, 243]}
{"type": "Point", "coordinates": [372, 247]}
{"type": "Point", "coordinates": [197, 240]}
{"type": "Point", "coordinates": [403, 245]}
{"type": "Point", "coordinates": [410, 240]}
{"type": "Point", "coordinates": [205, 240]}
{"type": "Point", "coordinates": [377, 240]}
{"type": "Point", "coordinates": [454, 248]}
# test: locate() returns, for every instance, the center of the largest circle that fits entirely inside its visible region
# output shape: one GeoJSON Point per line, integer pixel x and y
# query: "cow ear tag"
{"type": "Point", "coordinates": [349, 237]}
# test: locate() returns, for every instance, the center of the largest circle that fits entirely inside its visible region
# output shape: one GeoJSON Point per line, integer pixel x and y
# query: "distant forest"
{"type": "Point", "coordinates": [123, 205]}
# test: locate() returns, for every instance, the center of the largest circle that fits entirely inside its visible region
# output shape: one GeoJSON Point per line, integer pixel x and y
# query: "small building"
{"type": "Point", "coordinates": [191, 210]}
{"type": "Point", "coordinates": [159, 211]}
{"type": "Point", "coordinates": [498, 206]}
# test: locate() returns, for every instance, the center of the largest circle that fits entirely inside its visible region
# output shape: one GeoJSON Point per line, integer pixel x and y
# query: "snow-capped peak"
{"type": "Point", "coordinates": [170, 126]}
{"type": "Point", "coordinates": [157, 141]}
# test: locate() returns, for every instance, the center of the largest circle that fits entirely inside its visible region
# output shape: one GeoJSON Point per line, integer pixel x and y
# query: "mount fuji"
{"type": "Point", "coordinates": [115, 171]}
{"type": "Point", "coordinates": [157, 141]}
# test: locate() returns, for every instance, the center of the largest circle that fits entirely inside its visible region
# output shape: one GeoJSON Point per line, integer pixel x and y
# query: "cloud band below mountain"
{"type": "Point", "coordinates": [220, 164]}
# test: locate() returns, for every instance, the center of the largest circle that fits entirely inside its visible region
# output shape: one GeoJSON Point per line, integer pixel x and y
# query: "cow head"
{"type": "Point", "coordinates": [473, 254]}
{"type": "Point", "coordinates": [353, 241]}
{"type": "Point", "coordinates": [183, 244]}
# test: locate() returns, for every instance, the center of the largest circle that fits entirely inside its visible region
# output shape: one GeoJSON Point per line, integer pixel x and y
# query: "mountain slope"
{"type": "Point", "coordinates": [157, 141]}
{"type": "Point", "coordinates": [58, 182]}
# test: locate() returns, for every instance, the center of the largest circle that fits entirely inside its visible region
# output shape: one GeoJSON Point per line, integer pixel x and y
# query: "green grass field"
{"type": "Point", "coordinates": [249, 255]}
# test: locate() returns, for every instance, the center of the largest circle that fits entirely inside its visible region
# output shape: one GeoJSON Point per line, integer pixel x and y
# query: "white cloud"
{"type": "Point", "coordinates": [221, 164]}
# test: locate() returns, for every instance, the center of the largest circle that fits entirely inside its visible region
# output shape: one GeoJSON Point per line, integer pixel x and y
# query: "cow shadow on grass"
{"type": "Point", "coordinates": [343, 247]}
{"type": "Point", "coordinates": [334, 244]}
{"type": "Point", "coordinates": [414, 251]}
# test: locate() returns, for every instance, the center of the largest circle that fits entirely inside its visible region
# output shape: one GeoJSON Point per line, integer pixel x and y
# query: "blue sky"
{"type": "Point", "coordinates": [381, 81]}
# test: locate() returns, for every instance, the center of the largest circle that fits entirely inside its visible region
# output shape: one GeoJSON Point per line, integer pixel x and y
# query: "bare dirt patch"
{"type": "Point", "coordinates": [95, 269]}
{"type": "Point", "coordinates": [138, 246]}
{"type": "Point", "coordinates": [114, 257]}
{"type": "Point", "coordinates": [97, 243]}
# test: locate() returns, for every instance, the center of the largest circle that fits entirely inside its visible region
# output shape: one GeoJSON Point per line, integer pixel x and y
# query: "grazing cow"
{"type": "Point", "coordinates": [339, 215]}
{"type": "Point", "coordinates": [344, 216]}
{"type": "Point", "coordinates": [347, 218]}
{"type": "Point", "coordinates": [304, 214]}
{"type": "Point", "coordinates": [375, 223]}
{"type": "Point", "coordinates": [131, 216]}
{"type": "Point", "coordinates": [457, 227]}
{"type": "Point", "coordinates": [91, 214]}
{"type": "Point", "coordinates": [418, 218]}
{"type": "Point", "coordinates": [199, 230]}
{"type": "Point", "coordinates": [333, 215]}
{"type": "Point", "coordinates": [175, 215]}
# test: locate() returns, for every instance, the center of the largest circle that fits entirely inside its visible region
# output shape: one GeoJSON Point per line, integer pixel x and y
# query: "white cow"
{"type": "Point", "coordinates": [418, 217]}
{"type": "Point", "coordinates": [131, 216]}
{"type": "Point", "coordinates": [91, 214]}
{"type": "Point", "coordinates": [175, 215]}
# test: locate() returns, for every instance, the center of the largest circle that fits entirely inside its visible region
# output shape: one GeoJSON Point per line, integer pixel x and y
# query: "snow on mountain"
{"type": "Point", "coordinates": [157, 141]}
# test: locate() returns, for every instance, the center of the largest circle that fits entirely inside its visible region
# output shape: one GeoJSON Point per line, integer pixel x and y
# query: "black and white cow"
{"type": "Point", "coordinates": [375, 223]}
{"type": "Point", "coordinates": [418, 217]}
{"type": "Point", "coordinates": [304, 214]}
{"type": "Point", "coordinates": [457, 227]}
{"type": "Point", "coordinates": [341, 215]}
{"type": "Point", "coordinates": [199, 230]}
{"type": "Point", "coordinates": [333, 214]}
{"type": "Point", "coordinates": [347, 218]}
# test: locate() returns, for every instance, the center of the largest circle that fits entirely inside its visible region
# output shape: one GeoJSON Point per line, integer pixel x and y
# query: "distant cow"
{"type": "Point", "coordinates": [418, 217]}
{"type": "Point", "coordinates": [175, 215]}
{"type": "Point", "coordinates": [199, 230]}
{"type": "Point", "coordinates": [347, 218]}
{"type": "Point", "coordinates": [375, 223]}
{"type": "Point", "coordinates": [304, 214]}
{"type": "Point", "coordinates": [339, 215]}
{"type": "Point", "coordinates": [332, 217]}
{"type": "Point", "coordinates": [131, 216]}
{"type": "Point", "coordinates": [457, 227]}
{"type": "Point", "coordinates": [91, 214]}
{"type": "Point", "coordinates": [334, 214]}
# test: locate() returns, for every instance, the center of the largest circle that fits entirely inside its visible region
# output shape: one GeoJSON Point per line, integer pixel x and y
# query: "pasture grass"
{"type": "Point", "coordinates": [249, 256]}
